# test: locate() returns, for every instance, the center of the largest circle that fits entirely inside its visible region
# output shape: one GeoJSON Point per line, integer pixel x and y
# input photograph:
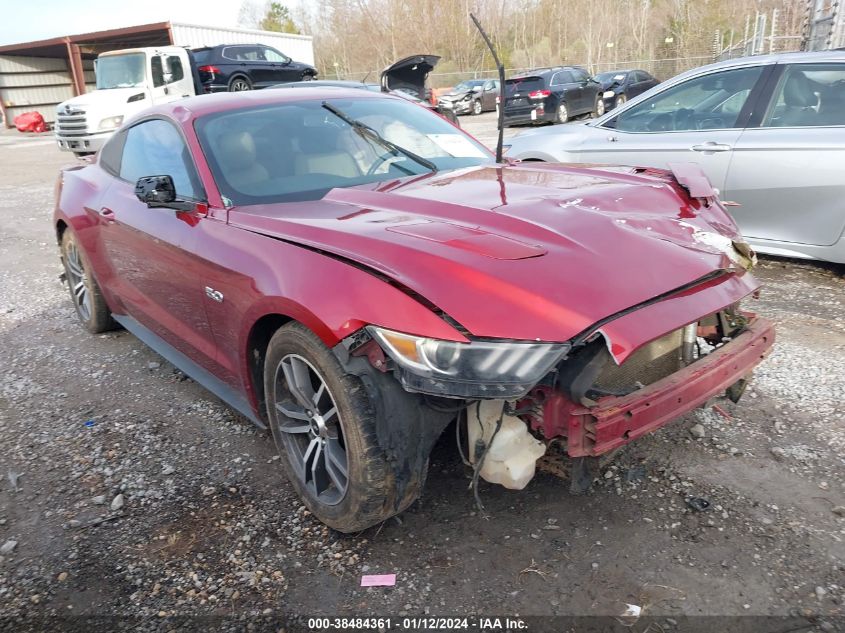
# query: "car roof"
{"type": "Point", "coordinates": [775, 58]}
{"type": "Point", "coordinates": [537, 72]}
{"type": "Point", "coordinates": [194, 107]}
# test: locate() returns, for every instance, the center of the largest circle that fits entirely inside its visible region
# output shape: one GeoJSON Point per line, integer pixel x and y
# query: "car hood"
{"type": "Point", "coordinates": [531, 252]}
{"type": "Point", "coordinates": [455, 96]}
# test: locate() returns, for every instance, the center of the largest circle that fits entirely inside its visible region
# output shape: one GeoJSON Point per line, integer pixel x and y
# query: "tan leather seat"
{"type": "Point", "coordinates": [322, 156]}
{"type": "Point", "coordinates": [237, 156]}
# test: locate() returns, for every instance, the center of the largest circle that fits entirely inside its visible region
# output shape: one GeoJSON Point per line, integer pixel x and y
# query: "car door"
{"type": "Point", "coordinates": [490, 91]}
{"type": "Point", "coordinates": [566, 89]}
{"type": "Point", "coordinates": [788, 173]}
{"type": "Point", "coordinates": [151, 253]}
{"type": "Point", "coordinates": [170, 81]}
{"type": "Point", "coordinates": [587, 90]}
{"type": "Point", "coordinates": [638, 83]}
{"type": "Point", "coordinates": [697, 120]}
{"type": "Point", "coordinates": [283, 71]}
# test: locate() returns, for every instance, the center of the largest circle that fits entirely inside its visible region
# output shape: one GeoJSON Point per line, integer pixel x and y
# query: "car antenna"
{"type": "Point", "coordinates": [501, 68]}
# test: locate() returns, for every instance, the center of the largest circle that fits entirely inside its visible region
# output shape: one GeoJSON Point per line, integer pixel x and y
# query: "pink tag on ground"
{"type": "Point", "coordinates": [383, 580]}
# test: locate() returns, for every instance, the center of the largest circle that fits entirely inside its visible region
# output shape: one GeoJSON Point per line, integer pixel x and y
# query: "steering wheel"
{"type": "Point", "coordinates": [682, 119]}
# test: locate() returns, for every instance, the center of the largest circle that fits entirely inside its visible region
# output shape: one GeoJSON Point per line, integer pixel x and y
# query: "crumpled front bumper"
{"type": "Point", "coordinates": [615, 421]}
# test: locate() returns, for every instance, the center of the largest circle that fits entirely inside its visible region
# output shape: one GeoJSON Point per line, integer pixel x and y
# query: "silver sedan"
{"type": "Point", "coordinates": [769, 132]}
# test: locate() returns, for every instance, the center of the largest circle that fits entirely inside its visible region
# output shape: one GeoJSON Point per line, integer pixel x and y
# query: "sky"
{"type": "Point", "coordinates": [27, 20]}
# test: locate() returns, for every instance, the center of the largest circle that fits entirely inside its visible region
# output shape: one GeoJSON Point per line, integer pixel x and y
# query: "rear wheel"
{"type": "Point", "coordinates": [476, 107]}
{"type": "Point", "coordinates": [239, 84]}
{"type": "Point", "coordinates": [87, 298]}
{"type": "Point", "coordinates": [562, 114]}
{"type": "Point", "coordinates": [324, 426]}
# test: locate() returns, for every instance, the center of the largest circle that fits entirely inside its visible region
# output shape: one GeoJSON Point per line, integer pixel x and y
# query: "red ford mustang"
{"type": "Point", "coordinates": [354, 272]}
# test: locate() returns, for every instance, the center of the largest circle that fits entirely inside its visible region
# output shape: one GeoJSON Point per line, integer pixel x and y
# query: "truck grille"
{"type": "Point", "coordinates": [71, 123]}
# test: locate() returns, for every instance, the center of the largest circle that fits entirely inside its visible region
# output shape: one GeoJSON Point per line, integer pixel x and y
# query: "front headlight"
{"type": "Point", "coordinates": [608, 94]}
{"type": "Point", "coordinates": [479, 369]}
{"type": "Point", "coordinates": [111, 123]}
{"type": "Point", "coordinates": [467, 98]}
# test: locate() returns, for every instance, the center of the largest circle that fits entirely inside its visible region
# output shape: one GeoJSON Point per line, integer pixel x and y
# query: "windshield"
{"type": "Point", "coordinates": [468, 85]}
{"type": "Point", "coordinates": [120, 71]}
{"type": "Point", "coordinates": [299, 151]}
{"type": "Point", "coordinates": [609, 78]}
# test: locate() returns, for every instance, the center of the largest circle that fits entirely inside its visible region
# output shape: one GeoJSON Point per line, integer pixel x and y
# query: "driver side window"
{"type": "Point", "coordinates": [709, 102]}
{"type": "Point", "coordinates": [155, 148]}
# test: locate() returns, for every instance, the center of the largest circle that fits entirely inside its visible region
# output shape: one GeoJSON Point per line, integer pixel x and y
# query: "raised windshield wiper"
{"type": "Point", "coordinates": [366, 132]}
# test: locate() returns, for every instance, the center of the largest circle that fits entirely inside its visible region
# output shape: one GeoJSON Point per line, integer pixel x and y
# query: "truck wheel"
{"type": "Point", "coordinates": [324, 426]}
{"type": "Point", "coordinates": [239, 84]}
{"type": "Point", "coordinates": [87, 298]}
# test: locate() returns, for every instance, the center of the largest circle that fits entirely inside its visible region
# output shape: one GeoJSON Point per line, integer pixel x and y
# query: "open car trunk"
{"type": "Point", "coordinates": [409, 74]}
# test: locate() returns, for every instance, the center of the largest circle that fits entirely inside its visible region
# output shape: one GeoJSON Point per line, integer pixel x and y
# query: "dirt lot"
{"type": "Point", "coordinates": [131, 491]}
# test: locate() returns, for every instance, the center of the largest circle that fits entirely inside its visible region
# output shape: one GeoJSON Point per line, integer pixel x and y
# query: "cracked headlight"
{"type": "Point", "coordinates": [111, 123]}
{"type": "Point", "coordinates": [479, 369]}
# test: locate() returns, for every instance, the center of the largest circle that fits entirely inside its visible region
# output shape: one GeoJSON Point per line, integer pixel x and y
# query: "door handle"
{"type": "Point", "coordinates": [107, 214]}
{"type": "Point", "coordinates": [710, 146]}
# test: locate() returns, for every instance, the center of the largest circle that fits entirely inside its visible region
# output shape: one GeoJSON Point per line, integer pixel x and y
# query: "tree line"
{"type": "Point", "coordinates": [354, 37]}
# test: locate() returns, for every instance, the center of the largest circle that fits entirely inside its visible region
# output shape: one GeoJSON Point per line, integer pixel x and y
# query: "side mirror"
{"type": "Point", "coordinates": [159, 192]}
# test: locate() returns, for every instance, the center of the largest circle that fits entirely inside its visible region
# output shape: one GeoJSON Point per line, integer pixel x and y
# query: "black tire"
{"type": "Point", "coordinates": [85, 293]}
{"type": "Point", "coordinates": [620, 100]}
{"type": "Point", "coordinates": [561, 113]}
{"type": "Point", "coordinates": [239, 83]}
{"type": "Point", "coordinates": [307, 77]}
{"type": "Point", "coordinates": [370, 493]}
{"type": "Point", "coordinates": [477, 107]}
{"type": "Point", "coordinates": [598, 108]}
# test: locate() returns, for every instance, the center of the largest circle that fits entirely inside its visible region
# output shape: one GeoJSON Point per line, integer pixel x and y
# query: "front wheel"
{"type": "Point", "coordinates": [598, 110]}
{"type": "Point", "coordinates": [561, 114]}
{"type": "Point", "coordinates": [324, 426]}
{"type": "Point", "coordinates": [91, 308]}
{"type": "Point", "coordinates": [620, 100]}
{"type": "Point", "coordinates": [476, 107]}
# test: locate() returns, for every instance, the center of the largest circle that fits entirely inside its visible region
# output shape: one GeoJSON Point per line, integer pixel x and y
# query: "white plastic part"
{"type": "Point", "coordinates": [511, 458]}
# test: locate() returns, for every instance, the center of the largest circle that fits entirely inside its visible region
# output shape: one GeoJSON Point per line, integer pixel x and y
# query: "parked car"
{"type": "Point", "coordinates": [353, 272]}
{"type": "Point", "coordinates": [620, 85]}
{"type": "Point", "coordinates": [473, 96]}
{"type": "Point", "coordinates": [769, 132]}
{"type": "Point", "coordinates": [239, 67]}
{"type": "Point", "coordinates": [551, 95]}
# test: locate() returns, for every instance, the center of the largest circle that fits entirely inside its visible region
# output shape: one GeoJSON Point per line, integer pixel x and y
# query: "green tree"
{"type": "Point", "coordinates": [278, 18]}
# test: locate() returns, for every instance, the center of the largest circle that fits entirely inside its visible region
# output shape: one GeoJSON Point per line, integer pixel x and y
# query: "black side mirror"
{"type": "Point", "coordinates": [159, 192]}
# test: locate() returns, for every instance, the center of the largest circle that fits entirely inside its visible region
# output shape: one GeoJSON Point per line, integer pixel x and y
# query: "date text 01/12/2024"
{"type": "Point", "coordinates": [417, 624]}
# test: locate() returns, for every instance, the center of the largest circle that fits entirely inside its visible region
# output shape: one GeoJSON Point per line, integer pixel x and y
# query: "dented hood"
{"type": "Point", "coordinates": [531, 252]}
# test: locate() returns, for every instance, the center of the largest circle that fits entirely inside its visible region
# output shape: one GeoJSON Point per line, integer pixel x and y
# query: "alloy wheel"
{"type": "Point", "coordinates": [309, 425]}
{"type": "Point", "coordinates": [476, 107]}
{"type": "Point", "coordinates": [77, 281]}
{"type": "Point", "coordinates": [562, 113]}
{"type": "Point", "coordinates": [599, 107]}
{"type": "Point", "coordinates": [239, 85]}
{"type": "Point", "coordinates": [620, 100]}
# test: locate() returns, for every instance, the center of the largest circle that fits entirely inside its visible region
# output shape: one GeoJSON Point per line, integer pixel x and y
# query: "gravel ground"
{"type": "Point", "coordinates": [128, 490]}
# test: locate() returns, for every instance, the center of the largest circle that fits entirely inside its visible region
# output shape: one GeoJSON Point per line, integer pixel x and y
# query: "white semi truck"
{"type": "Point", "coordinates": [128, 81]}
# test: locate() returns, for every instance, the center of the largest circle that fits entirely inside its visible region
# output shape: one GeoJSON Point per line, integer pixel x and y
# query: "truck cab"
{"type": "Point", "coordinates": [128, 81]}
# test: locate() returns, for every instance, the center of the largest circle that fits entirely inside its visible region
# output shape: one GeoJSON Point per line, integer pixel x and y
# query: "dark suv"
{"type": "Point", "coordinates": [236, 67]}
{"type": "Point", "coordinates": [551, 95]}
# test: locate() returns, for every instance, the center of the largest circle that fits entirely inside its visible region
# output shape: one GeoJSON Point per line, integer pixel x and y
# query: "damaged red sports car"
{"type": "Point", "coordinates": [353, 272]}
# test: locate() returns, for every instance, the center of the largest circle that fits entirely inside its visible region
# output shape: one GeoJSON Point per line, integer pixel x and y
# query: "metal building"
{"type": "Point", "coordinates": [39, 75]}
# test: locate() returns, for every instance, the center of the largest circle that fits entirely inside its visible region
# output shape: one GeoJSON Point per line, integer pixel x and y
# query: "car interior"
{"type": "Point", "coordinates": [811, 97]}
{"type": "Point", "coordinates": [299, 151]}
